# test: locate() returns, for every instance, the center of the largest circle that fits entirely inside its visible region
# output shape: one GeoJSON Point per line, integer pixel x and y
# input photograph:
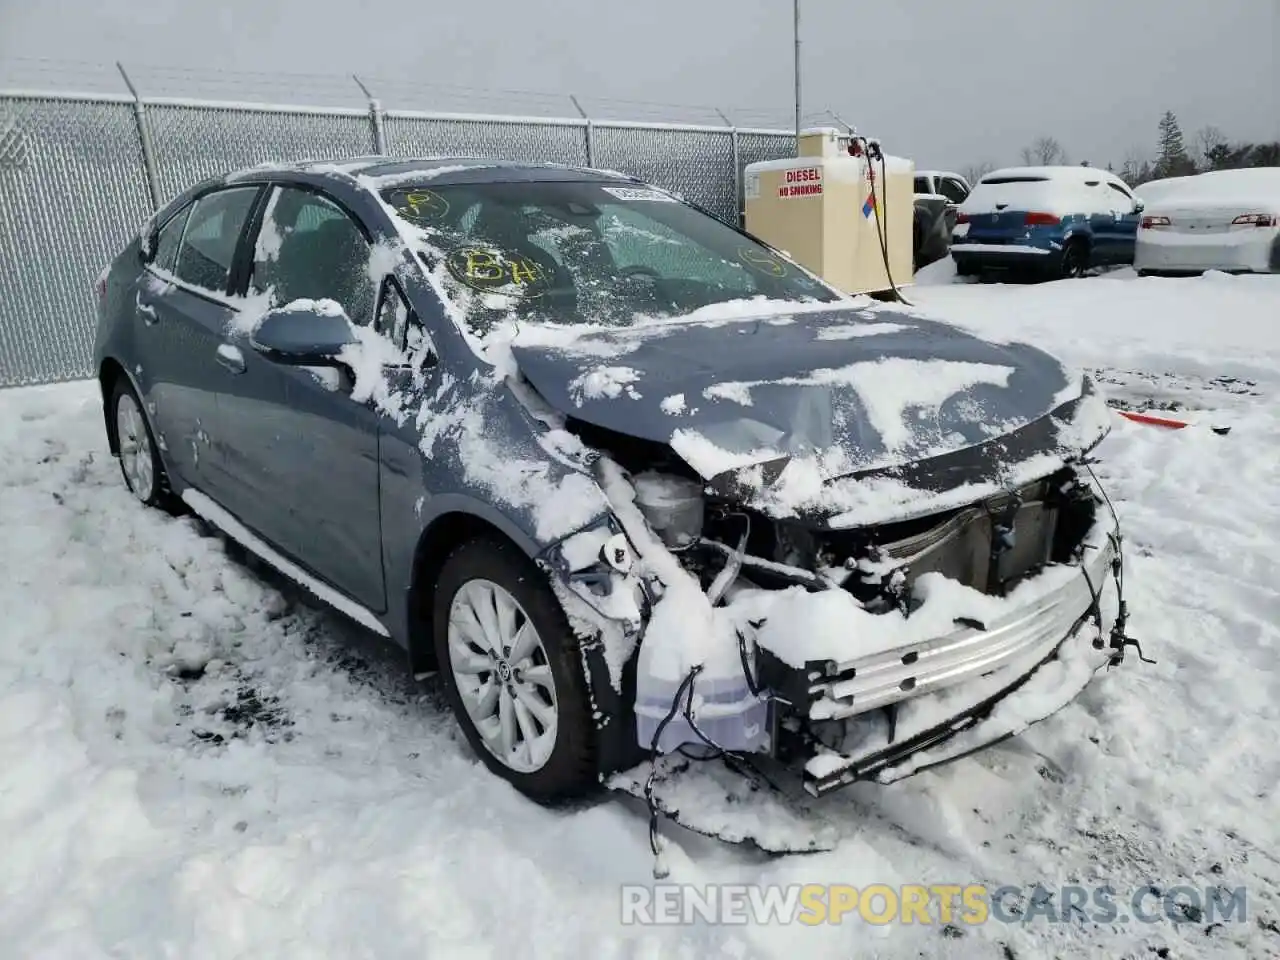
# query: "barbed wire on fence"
{"type": "Point", "coordinates": [393, 93]}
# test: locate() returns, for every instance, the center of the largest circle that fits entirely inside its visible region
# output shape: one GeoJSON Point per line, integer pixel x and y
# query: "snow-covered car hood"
{"type": "Point", "coordinates": [856, 389]}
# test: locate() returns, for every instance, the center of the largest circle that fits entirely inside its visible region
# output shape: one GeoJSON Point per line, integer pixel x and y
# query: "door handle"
{"type": "Point", "coordinates": [146, 311]}
{"type": "Point", "coordinates": [231, 358]}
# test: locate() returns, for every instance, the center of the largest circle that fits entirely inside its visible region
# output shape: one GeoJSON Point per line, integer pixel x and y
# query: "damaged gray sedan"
{"type": "Point", "coordinates": [634, 483]}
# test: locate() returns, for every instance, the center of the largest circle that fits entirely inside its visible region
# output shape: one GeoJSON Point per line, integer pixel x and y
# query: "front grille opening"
{"type": "Point", "coordinates": [989, 546]}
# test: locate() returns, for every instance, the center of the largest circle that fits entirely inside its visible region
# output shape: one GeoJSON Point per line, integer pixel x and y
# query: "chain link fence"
{"type": "Point", "coordinates": [80, 173]}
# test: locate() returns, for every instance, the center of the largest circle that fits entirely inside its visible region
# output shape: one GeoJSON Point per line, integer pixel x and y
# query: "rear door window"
{"type": "Point", "coordinates": [309, 249]}
{"type": "Point", "coordinates": [212, 234]}
{"type": "Point", "coordinates": [922, 185]}
{"type": "Point", "coordinates": [1122, 191]}
{"type": "Point", "coordinates": [169, 238]}
{"type": "Point", "coordinates": [952, 189]}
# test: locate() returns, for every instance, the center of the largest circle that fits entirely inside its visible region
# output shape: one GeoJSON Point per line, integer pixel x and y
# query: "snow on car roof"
{"type": "Point", "coordinates": [1250, 185]}
{"type": "Point", "coordinates": [382, 171]}
{"type": "Point", "coordinates": [1065, 173]}
{"type": "Point", "coordinates": [1060, 190]}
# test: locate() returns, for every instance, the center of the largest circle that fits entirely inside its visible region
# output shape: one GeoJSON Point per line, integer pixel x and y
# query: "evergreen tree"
{"type": "Point", "coordinates": [1265, 155]}
{"type": "Point", "coordinates": [1220, 156]}
{"type": "Point", "coordinates": [1172, 160]}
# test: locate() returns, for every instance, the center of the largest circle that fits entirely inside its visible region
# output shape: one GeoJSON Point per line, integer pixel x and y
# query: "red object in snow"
{"type": "Point", "coordinates": [1154, 421]}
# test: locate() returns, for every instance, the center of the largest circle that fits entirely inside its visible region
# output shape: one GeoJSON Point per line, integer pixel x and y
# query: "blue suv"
{"type": "Point", "coordinates": [1051, 221]}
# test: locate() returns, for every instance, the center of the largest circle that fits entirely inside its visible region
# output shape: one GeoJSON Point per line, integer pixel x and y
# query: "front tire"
{"type": "Point", "coordinates": [513, 671]}
{"type": "Point", "coordinates": [140, 462]}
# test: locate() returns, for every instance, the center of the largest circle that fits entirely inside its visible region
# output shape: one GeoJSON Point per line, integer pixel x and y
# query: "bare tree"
{"type": "Point", "coordinates": [1210, 144]}
{"type": "Point", "coordinates": [1133, 167]}
{"type": "Point", "coordinates": [976, 171]}
{"type": "Point", "coordinates": [1044, 152]}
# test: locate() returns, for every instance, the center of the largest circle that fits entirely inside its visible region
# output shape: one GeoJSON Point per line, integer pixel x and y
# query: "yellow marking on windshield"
{"type": "Point", "coordinates": [483, 265]}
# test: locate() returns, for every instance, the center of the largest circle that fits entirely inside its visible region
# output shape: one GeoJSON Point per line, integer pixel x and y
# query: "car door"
{"type": "Point", "coordinates": [302, 455]}
{"type": "Point", "coordinates": [182, 308]}
{"type": "Point", "coordinates": [1097, 204]}
{"type": "Point", "coordinates": [1126, 223]}
{"type": "Point", "coordinates": [955, 192]}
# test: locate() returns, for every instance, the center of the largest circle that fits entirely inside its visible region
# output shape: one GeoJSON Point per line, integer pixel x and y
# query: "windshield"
{"type": "Point", "coordinates": [587, 252]}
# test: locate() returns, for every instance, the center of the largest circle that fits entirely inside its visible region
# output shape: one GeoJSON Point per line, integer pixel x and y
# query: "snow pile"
{"type": "Point", "coordinates": [369, 357]}
{"type": "Point", "coordinates": [323, 307]}
{"type": "Point", "coordinates": [674, 405]}
{"type": "Point", "coordinates": [1200, 327]}
{"type": "Point", "coordinates": [889, 388]}
{"type": "Point", "coordinates": [457, 423]}
{"type": "Point", "coordinates": [739, 393]}
{"type": "Point", "coordinates": [604, 383]}
{"type": "Point", "coordinates": [848, 331]}
{"type": "Point", "coordinates": [270, 236]}
{"type": "Point", "coordinates": [709, 459]}
{"type": "Point", "coordinates": [831, 625]}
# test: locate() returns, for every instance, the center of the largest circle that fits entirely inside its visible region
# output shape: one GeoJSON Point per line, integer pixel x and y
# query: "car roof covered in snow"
{"type": "Point", "coordinates": [1061, 173]}
{"type": "Point", "coordinates": [1257, 188]}
{"type": "Point", "coordinates": [379, 171]}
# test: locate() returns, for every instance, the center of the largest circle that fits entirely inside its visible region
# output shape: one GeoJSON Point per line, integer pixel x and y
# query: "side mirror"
{"type": "Point", "coordinates": [1138, 205]}
{"type": "Point", "coordinates": [304, 332]}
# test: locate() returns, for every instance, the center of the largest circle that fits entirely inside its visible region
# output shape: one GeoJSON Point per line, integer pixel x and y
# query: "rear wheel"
{"type": "Point", "coordinates": [1074, 260]}
{"type": "Point", "coordinates": [139, 456]}
{"type": "Point", "coordinates": [513, 671]}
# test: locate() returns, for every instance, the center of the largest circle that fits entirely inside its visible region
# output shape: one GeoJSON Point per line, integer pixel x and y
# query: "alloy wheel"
{"type": "Point", "coordinates": [1074, 261]}
{"type": "Point", "coordinates": [137, 458]}
{"type": "Point", "coordinates": [500, 667]}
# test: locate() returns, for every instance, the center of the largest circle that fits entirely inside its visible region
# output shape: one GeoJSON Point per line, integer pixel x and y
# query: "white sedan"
{"type": "Point", "coordinates": [1223, 220]}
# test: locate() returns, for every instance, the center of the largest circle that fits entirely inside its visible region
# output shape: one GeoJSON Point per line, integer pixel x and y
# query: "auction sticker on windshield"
{"type": "Point", "coordinates": [639, 193]}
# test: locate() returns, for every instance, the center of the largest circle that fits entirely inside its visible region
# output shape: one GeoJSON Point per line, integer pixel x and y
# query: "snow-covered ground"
{"type": "Point", "coordinates": [193, 764]}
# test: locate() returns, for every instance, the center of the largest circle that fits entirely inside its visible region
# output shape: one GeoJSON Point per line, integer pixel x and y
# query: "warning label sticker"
{"type": "Point", "coordinates": [802, 182]}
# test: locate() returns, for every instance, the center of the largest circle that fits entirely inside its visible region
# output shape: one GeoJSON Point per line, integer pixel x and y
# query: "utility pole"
{"type": "Point", "coordinates": [796, 5]}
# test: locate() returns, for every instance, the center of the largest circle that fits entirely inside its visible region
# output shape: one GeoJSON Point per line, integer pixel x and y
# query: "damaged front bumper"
{"type": "Point", "coordinates": [946, 688]}
{"type": "Point", "coordinates": [888, 716]}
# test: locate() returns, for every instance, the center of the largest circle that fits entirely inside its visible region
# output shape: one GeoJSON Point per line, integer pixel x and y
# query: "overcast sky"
{"type": "Point", "coordinates": [945, 83]}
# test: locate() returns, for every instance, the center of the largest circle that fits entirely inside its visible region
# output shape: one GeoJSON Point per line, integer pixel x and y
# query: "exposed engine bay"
{"type": "Point", "coordinates": [989, 546]}
{"type": "Point", "coordinates": [835, 717]}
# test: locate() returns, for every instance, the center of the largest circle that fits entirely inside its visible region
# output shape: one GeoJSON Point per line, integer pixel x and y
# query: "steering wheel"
{"type": "Point", "coordinates": [638, 270]}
